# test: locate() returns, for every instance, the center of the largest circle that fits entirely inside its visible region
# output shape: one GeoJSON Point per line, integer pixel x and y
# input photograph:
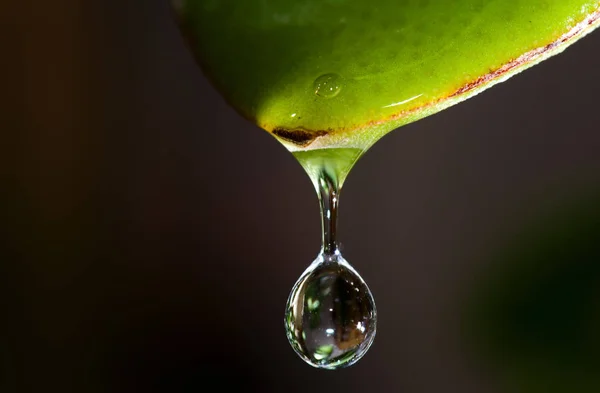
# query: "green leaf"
{"type": "Point", "coordinates": [342, 73]}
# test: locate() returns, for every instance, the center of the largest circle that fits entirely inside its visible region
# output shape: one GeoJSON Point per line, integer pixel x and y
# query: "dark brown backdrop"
{"type": "Point", "coordinates": [150, 236]}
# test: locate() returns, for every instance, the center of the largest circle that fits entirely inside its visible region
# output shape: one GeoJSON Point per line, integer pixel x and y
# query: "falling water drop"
{"type": "Point", "coordinates": [330, 316]}
{"type": "Point", "coordinates": [328, 85]}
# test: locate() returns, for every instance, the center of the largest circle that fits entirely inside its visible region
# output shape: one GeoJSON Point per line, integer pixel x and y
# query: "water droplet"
{"type": "Point", "coordinates": [328, 85]}
{"type": "Point", "coordinates": [330, 315]}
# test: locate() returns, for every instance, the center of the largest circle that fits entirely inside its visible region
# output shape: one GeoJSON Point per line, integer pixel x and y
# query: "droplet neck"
{"type": "Point", "coordinates": [328, 191]}
{"type": "Point", "coordinates": [327, 169]}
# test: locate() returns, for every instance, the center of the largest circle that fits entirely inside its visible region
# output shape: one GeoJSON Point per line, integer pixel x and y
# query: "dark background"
{"type": "Point", "coordinates": [150, 235]}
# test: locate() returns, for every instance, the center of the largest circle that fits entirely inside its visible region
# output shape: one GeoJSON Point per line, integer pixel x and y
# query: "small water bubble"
{"type": "Point", "coordinates": [328, 85]}
{"type": "Point", "coordinates": [330, 314]}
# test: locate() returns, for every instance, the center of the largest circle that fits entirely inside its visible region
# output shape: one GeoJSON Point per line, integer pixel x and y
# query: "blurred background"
{"type": "Point", "coordinates": [151, 236]}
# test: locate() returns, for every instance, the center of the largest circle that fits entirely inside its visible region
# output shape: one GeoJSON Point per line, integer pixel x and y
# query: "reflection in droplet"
{"type": "Point", "coordinates": [328, 85]}
{"type": "Point", "coordinates": [330, 314]}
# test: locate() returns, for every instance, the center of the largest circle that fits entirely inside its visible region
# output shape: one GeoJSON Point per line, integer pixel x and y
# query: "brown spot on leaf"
{"type": "Point", "coordinates": [300, 137]}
